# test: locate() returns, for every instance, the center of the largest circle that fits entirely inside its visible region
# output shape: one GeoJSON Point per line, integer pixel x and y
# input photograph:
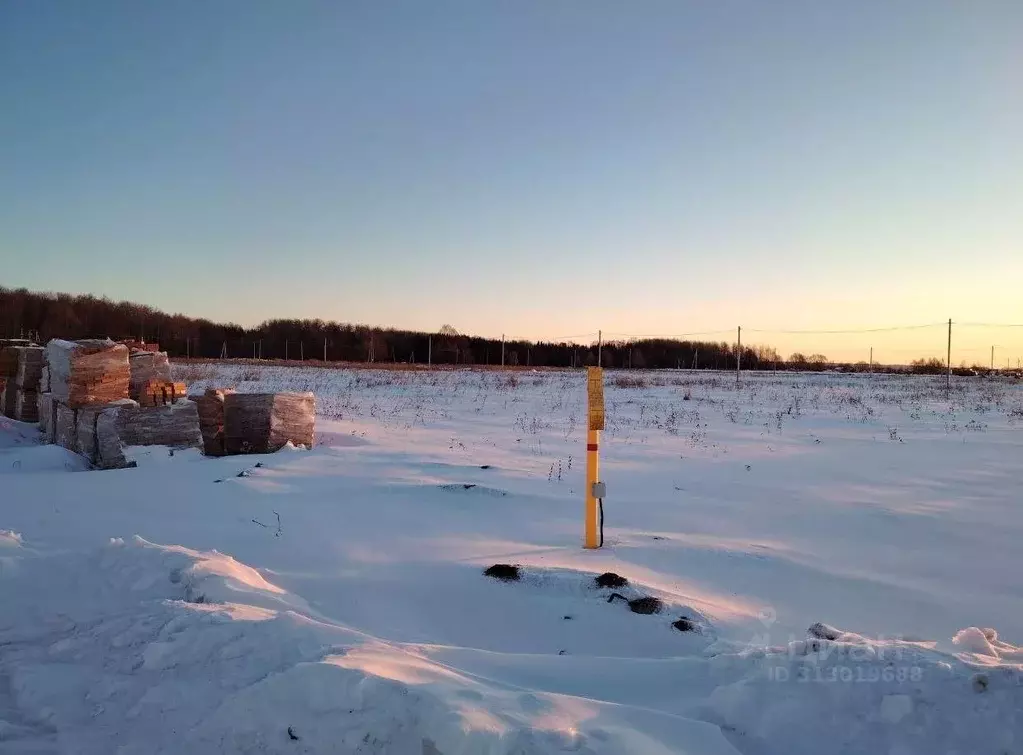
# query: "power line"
{"type": "Point", "coordinates": [552, 339]}
{"type": "Point", "coordinates": [988, 325]}
{"type": "Point", "coordinates": [903, 349]}
{"type": "Point", "coordinates": [579, 335]}
{"type": "Point", "coordinates": [674, 335]}
{"type": "Point", "coordinates": [860, 330]}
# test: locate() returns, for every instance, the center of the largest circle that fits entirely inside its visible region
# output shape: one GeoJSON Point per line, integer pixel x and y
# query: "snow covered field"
{"type": "Point", "coordinates": [333, 601]}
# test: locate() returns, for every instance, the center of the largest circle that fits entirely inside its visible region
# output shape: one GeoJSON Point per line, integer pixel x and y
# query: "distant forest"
{"type": "Point", "coordinates": [43, 316]}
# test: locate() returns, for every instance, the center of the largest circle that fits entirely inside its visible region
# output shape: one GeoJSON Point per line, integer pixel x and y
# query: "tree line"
{"type": "Point", "coordinates": [43, 316]}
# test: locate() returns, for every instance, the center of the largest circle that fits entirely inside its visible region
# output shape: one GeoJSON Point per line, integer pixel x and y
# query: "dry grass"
{"type": "Point", "coordinates": [388, 366]}
{"type": "Point", "coordinates": [625, 381]}
{"type": "Point", "coordinates": [193, 372]}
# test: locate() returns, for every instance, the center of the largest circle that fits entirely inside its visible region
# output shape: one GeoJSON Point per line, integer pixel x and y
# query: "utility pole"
{"type": "Point", "coordinates": [301, 350]}
{"type": "Point", "coordinates": [600, 342]}
{"type": "Point", "coordinates": [595, 493]}
{"type": "Point", "coordinates": [429, 351]}
{"type": "Point", "coordinates": [992, 358]}
{"type": "Point", "coordinates": [948, 376]}
{"type": "Point", "coordinates": [738, 355]}
{"type": "Point", "coordinates": [502, 349]}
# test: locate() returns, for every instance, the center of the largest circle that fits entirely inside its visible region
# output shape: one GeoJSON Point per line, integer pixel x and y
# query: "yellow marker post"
{"type": "Point", "coordinates": [595, 405]}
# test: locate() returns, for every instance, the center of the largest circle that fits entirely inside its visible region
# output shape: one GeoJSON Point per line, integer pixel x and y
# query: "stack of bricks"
{"type": "Point", "coordinates": [21, 370]}
{"type": "Point", "coordinates": [97, 398]}
{"type": "Point", "coordinates": [211, 420]}
{"type": "Point", "coordinates": [162, 393]}
{"type": "Point", "coordinates": [81, 376]}
{"type": "Point", "coordinates": [259, 423]}
{"type": "Point", "coordinates": [150, 374]}
{"type": "Point", "coordinates": [102, 399]}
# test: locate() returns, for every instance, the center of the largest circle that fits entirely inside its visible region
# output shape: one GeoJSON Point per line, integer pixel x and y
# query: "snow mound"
{"type": "Point", "coordinates": [139, 647]}
{"type": "Point", "coordinates": [213, 577]}
{"type": "Point", "coordinates": [35, 458]}
{"type": "Point", "coordinates": [859, 695]}
{"type": "Point", "coordinates": [385, 701]}
{"type": "Point", "coordinates": [10, 543]}
{"type": "Point", "coordinates": [985, 644]}
{"type": "Point", "coordinates": [14, 434]}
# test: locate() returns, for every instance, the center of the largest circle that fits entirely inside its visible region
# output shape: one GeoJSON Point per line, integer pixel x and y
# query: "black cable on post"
{"type": "Point", "coordinates": [600, 508]}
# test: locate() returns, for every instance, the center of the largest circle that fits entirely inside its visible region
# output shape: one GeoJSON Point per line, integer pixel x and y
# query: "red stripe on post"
{"type": "Point", "coordinates": [591, 446]}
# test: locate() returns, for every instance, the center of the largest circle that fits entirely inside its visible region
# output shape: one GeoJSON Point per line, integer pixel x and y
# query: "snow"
{"type": "Point", "coordinates": [845, 549]}
{"type": "Point", "coordinates": [20, 452]}
{"type": "Point", "coordinates": [868, 698]}
{"type": "Point", "coordinates": [985, 643]}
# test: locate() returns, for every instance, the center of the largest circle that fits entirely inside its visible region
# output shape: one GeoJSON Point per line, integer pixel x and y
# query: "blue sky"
{"type": "Point", "coordinates": [533, 168]}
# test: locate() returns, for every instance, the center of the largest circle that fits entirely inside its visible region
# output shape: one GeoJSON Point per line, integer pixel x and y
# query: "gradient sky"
{"type": "Point", "coordinates": [537, 168]}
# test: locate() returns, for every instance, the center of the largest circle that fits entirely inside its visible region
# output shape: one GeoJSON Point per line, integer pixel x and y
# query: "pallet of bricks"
{"type": "Point", "coordinates": [21, 370]}
{"type": "Point", "coordinates": [255, 423]}
{"type": "Point", "coordinates": [101, 397]}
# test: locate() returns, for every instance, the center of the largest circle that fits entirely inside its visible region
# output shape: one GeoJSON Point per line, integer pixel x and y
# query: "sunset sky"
{"type": "Point", "coordinates": [537, 168]}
